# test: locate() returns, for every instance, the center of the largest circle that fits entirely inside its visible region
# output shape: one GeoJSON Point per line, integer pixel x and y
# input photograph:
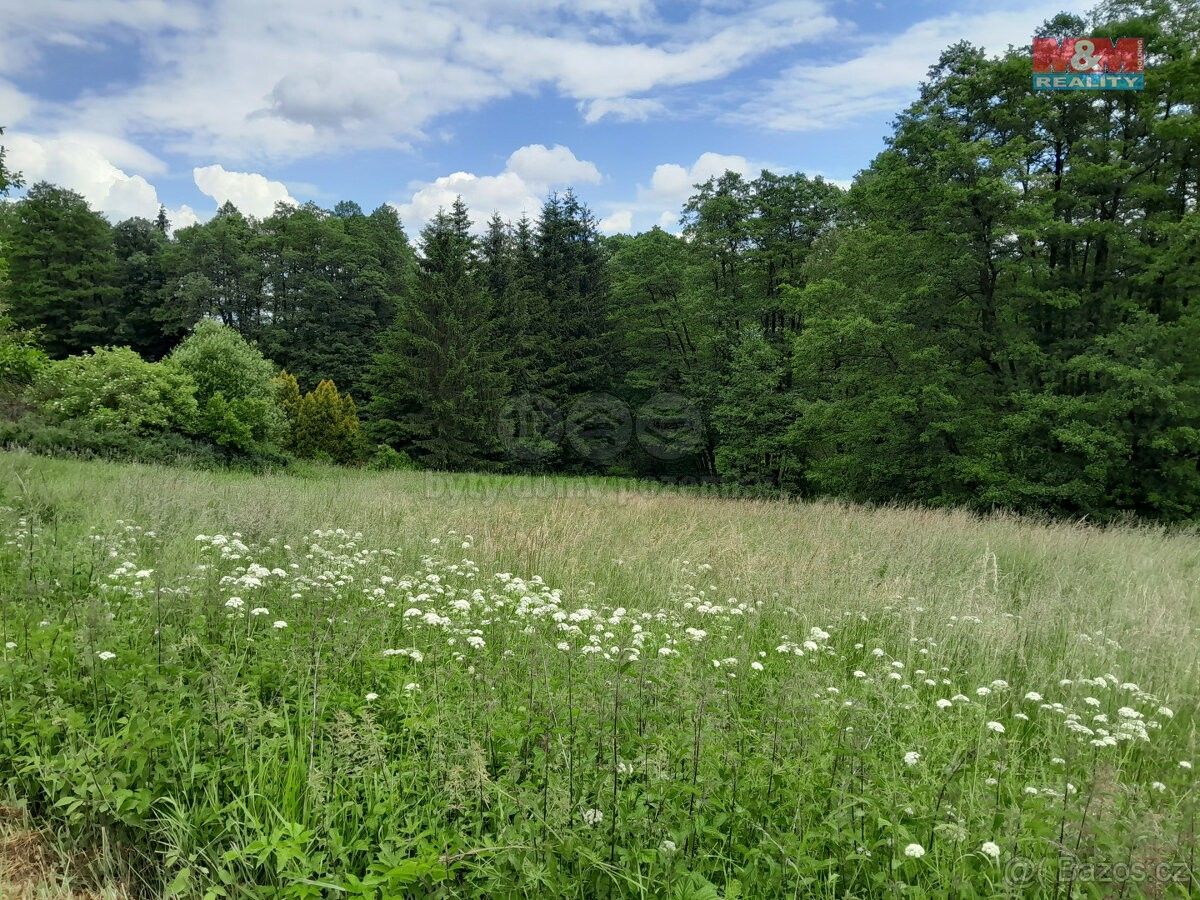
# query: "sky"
{"type": "Point", "coordinates": [189, 103]}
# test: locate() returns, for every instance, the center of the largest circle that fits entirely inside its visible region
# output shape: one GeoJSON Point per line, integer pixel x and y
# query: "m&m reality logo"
{"type": "Point", "coordinates": [1089, 63]}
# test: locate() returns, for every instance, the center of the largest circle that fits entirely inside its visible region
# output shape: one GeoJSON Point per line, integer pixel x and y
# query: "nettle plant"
{"type": "Point", "coordinates": [320, 717]}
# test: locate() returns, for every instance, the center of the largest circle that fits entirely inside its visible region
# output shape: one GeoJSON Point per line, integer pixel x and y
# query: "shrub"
{"type": "Point", "coordinates": [73, 439]}
{"type": "Point", "coordinates": [388, 459]}
{"type": "Point", "coordinates": [238, 409]}
{"type": "Point", "coordinates": [326, 426]}
{"type": "Point", "coordinates": [21, 357]}
{"type": "Point", "coordinates": [115, 391]}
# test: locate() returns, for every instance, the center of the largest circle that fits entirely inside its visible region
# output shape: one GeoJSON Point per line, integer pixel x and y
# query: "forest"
{"type": "Point", "coordinates": [997, 314]}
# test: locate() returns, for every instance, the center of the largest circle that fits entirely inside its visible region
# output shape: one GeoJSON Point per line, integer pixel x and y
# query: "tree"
{"type": "Point", "coordinates": [326, 426]}
{"type": "Point", "coordinates": [141, 277]}
{"type": "Point", "coordinates": [752, 417]}
{"type": "Point", "coordinates": [235, 393]}
{"type": "Point", "coordinates": [8, 179]}
{"type": "Point", "coordinates": [61, 270]}
{"type": "Point", "coordinates": [439, 376]}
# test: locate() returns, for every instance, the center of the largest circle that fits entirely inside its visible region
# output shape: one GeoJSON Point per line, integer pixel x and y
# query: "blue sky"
{"type": "Point", "coordinates": [140, 102]}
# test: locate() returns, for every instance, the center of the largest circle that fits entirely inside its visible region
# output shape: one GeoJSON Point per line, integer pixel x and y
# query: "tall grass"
{"type": "Point", "coordinates": [592, 689]}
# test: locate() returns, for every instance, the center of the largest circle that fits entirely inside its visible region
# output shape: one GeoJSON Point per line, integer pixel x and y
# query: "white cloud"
{"type": "Point", "coordinates": [253, 194]}
{"type": "Point", "coordinates": [671, 184]}
{"type": "Point", "coordinates": [284, 79]}
{"type": "Point", "coordinates": [884, 76]}
{"type": "Point", "coordinates": [618, 221]}
{"type": "Point", "coordinates": [536, 164]}
{"type": "Point", "coordinates": [621, 109]}
{"type": "Point", "coordinates": [14, 105]}
{"type": "Point", "coordinates": [86, 164]}
{"type": "Point", "coordinates": [530, 172]}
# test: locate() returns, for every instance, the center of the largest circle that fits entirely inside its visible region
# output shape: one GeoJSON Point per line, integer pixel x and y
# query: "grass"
{"type": "Point", "coordinates": [767, 751]}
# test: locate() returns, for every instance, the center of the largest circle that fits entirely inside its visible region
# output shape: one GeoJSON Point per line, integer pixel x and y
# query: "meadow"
{"type": "Point", "coordinates": [356, 684]}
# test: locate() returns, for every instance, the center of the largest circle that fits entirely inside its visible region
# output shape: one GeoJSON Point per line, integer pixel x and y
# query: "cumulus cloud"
{"type": "Point", "coordinates": [618, 222]}
{"type": "Point", "coordinates": [884, 76]}
{"type": "Point", "coordinates": [530, 172]}
{"type": "Point", "coordinates": [89, 165]}
{"type": "Point", "coordinates": [671, 184]}
{"type": "Point", "coordinates": [253, 194]}
{"type": "Point", "coordinates": [538, 165]}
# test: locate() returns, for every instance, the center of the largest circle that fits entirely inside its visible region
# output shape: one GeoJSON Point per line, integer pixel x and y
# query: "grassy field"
{"type": "Point", "coordinates": [379, 685]}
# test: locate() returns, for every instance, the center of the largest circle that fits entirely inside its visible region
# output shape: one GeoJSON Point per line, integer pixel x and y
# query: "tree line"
{"type": "Point", "coordinates": [996, 314]}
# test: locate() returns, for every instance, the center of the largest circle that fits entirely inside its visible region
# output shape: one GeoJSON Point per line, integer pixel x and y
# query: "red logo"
{"type": "Point", "coordinates": [1089, 55]}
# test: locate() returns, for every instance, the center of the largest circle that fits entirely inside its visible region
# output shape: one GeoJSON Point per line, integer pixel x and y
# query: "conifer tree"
{"type": "Point", "coordinates": [326, 425]}
{"type": "Point", "coordinates": [61, 270]}
{"type": "Point", "coordinates": [439, 377]}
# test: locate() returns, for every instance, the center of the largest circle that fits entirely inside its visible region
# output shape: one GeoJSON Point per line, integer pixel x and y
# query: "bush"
{"type": "Point", "coordinates": [74, 439]}
{"type": "Point", "coordinates": [238, 409]}
{"type": "Point", "coordinates": [388, 459]}
{"type": "Point", "coordinates": [21, 357]}
{"type": "Point", "coordinates": [327, 426]}
{"type": "Point", "coordinates": [115, 391]}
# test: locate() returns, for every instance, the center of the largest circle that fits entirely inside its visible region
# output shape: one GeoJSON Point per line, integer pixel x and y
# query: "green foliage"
{"type": "Point", "coordinates": [235, 393]}
{"type": "Point", "coordinates": [326, 426]}
{"type": "Point", "coordinates": [62, 270]}
{"type": "Point", "coordinates": [387, 459]}
{"type": "Point", "coordinates": [115, 391]}
{"type": "Point", "coordinates": [753, 416]}
{"type": "Point", "coordinates": [21, 357]}
{"type": "Point", "coordinates": [439, 377]}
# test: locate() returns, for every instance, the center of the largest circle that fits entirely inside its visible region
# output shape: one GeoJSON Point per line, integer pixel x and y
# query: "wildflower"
{"type": "Point", "coordinates": [143, 573]}
{"type": "Point", "coordinates": [412, 686]}
{"type": "Point", "coordinates": [860, 674]}
{"type": "Point", "coordinates": [259, 611]}
{"type": "Point", "coordinates": [756, 666]}
{"type": "Point", "coordinates": [914, 851]}
{"type": "Point", "coordinates": [106, 655]}
{"type": "Point", "coordinates": [1166, 712]}
{"type": "Point", "coordinates": [279, 623]}
{"type": "Point", "coordinates": [667, 846]}
{"type": "Point", "coordinates": [1158, 786]}
{"type": "Point", "coordinates": [372, 696]}
{"type": "Point", "coordinates": [1033, 697]}
{"type": "Point", "coordinates": [10, 645]}
{"type": "Point", "coordinates": [235, 603]}
{"type": "Point", "coordinates": [996, 727]}
{"type": "Point", "coordinates": [476, 641]}
{"type": "Point", "coordinates": [563, 646]}
{"type": "Point", "coordinates": [593, 817]}
{"type": "Point", "coordinates": [911, 758]}
{"type": "Point", "coordinates": [943, 703]}
{"type": "Point", "coordinates": [990, 849]}
{"type": "Point", "coordinates": [1185, 764]}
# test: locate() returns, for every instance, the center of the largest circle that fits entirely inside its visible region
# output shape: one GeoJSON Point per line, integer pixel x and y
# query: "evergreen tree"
{"type": "Point", "coordinates": [439, 377]}
{"type": "Point", "coordinates": [141, 276]}
{"type": "Point", "coordinates": [326, 426]}
{"type": "Point", "coordinates": [753, 415]}
{"type": "Point", "coordinates": [61, 270]}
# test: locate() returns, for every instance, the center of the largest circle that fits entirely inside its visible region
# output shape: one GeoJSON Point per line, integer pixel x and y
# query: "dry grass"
{"type": "Point", "coordinates": [1061, 578]}
{"type": "Point", "coordinates": [31, 869]}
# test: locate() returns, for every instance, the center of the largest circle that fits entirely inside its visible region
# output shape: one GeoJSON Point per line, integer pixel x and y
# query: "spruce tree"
{"type": "Point", "coordinates": [62, 271]}
{"type": "Point", "coordinates": [439, 377]}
